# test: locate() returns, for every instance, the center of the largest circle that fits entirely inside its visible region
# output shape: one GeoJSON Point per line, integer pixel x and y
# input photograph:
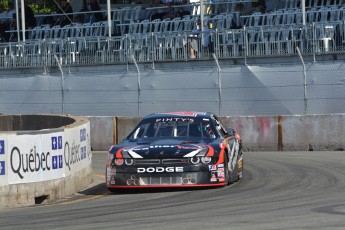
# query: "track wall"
{"type": "Point", "coordinates": [258, 133]}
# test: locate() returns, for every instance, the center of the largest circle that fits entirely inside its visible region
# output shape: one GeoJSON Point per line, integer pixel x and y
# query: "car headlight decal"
{"type": "Point", "coordinates": [119, 162]}
{"type": "Point", "coordinates": [195, 160]}
{"type": "Point", "coordinates": [206, 160]}
{"type": "Point", "coordinates": [129, 161]}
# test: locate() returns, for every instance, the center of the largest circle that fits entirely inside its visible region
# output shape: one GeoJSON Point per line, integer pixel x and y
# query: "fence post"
{"type": "Point", "coordinates": [219, 84]}
{"type": "Point", "coordinates": [305, 81]}
{"type": "Point", "coordinates": [62, 84]}
{"type": "Point", "coordinates": [139, 93]}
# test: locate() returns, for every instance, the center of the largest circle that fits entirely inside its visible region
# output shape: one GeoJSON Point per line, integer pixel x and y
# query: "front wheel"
{"type": "Point", "coordinates": [227, 175]}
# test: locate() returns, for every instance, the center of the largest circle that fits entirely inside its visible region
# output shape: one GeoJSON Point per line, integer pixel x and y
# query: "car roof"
{"type": "Point", "coordinates": [180, 114]}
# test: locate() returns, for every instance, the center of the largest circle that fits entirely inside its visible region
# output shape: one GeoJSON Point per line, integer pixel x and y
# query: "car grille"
{"type": "Point", "coordinates": [172, 180]}
{"type": "Point", "coordinates": [146, 161]}
{"type": "Point", "coordinates": [178, 161]}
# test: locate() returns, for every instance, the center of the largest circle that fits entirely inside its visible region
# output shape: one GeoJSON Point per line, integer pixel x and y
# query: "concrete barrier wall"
{"type": "Point", "coordinates": [258, 133]}
{"type": "Point", "coordinates": [44, 165]}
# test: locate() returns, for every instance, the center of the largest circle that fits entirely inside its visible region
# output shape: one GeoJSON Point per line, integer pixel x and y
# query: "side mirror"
{"type": "Point", "coordinates": [230, 131]}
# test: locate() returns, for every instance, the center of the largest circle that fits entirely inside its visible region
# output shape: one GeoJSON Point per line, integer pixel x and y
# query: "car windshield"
{"type": "Point", "coordinates": [173, 128]}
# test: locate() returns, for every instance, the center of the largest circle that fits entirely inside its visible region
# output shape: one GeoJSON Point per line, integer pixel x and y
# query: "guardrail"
{"type": "Point", "coordinates": [315, 39]}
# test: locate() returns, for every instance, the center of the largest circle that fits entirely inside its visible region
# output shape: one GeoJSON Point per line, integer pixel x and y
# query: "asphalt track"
{"type": "Point", "coordinates": [280, 190]}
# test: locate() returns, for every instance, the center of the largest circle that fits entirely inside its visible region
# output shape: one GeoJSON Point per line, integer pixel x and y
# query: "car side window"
{"type": "Point", "coordinates": [220, 127]}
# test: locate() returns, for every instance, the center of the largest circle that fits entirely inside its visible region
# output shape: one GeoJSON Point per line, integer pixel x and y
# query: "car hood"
{"type": "Point", "coordinates": [163, 149]}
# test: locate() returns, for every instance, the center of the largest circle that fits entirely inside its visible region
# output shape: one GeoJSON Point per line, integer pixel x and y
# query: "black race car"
{"type": "Point", "coordinates": [178, 149]}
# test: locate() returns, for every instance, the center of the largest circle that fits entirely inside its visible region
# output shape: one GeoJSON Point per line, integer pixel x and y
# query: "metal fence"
{"type": "Point", "coordinates": [252, 42]}
{"type": "Point", "coordinates": [139, 74]}
{"type": "Point", "coordinates": [138, 89]}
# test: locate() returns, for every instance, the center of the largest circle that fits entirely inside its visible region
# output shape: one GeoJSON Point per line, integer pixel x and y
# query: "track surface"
{"type": "Point", "coordinates": [280, 190]}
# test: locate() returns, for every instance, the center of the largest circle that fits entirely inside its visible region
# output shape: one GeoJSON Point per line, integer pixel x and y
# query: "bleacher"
{"type": "Point", "coordinates": [135, 36]}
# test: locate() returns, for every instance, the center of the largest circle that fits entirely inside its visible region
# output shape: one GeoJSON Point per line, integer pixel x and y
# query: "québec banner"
{"type": "Point", "coordinates": [40, 157]}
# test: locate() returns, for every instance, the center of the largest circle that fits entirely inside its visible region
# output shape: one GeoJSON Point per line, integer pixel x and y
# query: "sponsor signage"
{"type": "Point", "coordinates": [2, 147]}
{"type": "Point", "coordinates": [2, 168]}
{"type": "Point", "coordinates": [159, 169]}
{"type": "Point", "coordinates": [32, 158]}
{"type": "Point", "coordinates": [42, 157]}
{"type": "Point", "coordinates": [2, 161]}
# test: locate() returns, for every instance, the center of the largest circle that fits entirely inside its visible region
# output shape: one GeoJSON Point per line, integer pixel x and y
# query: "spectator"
{"type": "Point", "coordinates": [2, 27]}
{"type": "Point", "coordinates": [8, 21]}
{"type": "Point", "coordinates": [236, 20]}
{"type": "Point", "coordinates": [2, 13]}
{"type": "Point", "coordinates": [8, 15]}
{"type": "Point", "coordinates": [30, 20]}
{"type": "Point", "coordinates": [194, 42]}
{"type": "Point", "coordinates": [92, 5]}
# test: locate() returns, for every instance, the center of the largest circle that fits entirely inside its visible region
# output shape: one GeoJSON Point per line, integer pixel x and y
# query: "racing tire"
{"type": "Point", "coordinates": [227, 174]}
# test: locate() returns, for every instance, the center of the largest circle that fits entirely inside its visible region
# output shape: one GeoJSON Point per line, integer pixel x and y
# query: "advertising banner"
{"type": "Point", "coordinates": [33, 158]}
{"type": "Point", "coordinates": [76, 152]}
{"type": "Point", "coordinates": [40, 157]}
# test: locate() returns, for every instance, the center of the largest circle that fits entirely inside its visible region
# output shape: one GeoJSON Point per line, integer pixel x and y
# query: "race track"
{"type": "Point", "coordinates": [280, 190]}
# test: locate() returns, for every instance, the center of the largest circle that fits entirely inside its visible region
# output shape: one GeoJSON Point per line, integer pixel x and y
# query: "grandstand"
{"type": "Point", "coordinates": [131, 32]}
{"type": "Point", "coordinates": [284, 60]}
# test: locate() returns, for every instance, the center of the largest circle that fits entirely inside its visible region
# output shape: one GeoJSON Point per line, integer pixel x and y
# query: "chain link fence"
{"type": "Point", "coordinates": [141, 88]}
{"type": "Point", "coordinates": [253, 71]}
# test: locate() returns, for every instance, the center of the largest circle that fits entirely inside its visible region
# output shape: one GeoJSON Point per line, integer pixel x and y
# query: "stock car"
{"type": "Point", "coordinates": [176, 149]}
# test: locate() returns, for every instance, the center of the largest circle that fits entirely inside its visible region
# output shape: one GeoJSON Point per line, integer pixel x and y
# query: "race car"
{"type": "Point", "coordinates": [176, 149]}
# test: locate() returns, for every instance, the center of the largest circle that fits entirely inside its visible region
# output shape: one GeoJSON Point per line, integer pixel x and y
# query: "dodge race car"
{"type": "Point", "coordinates": [179, 149]}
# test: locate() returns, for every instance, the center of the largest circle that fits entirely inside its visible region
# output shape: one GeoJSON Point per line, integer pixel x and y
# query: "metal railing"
{"type": "Point", "coordinates": [252, 42]}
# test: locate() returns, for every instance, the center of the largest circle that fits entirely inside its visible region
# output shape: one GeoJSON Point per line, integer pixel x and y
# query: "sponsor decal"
{"type": "Point", "coordinates": [221, 180]}
{"type": "Point", "coordinates": [83, 152]}
{"type": "Point", "coordinates": [57, 143]}
{"type": "Point", "coordinates": [82, 135]}
{"type": "Point", "coordinates": [220, 166]}
{"type": "Point", "coordinates": [220, 174]}
{"type": "Point", "coordinates": [2, 147]}
{"type": "Point", "coordinates": [2, 168]}
{"type": "Point", "coordinates": [159, 169]}
{"type": "Point", "coordinates": [189, 179]}
{"type": "Point", "coordinates": [174, 119]}
{"type": "Point", "coordinates": [57, 162]}
{"type": "Point", "coordinates": [240, 164]}
{"type": "Point", "coordinates": [234, 156]}
{"type": "Point", "coordinates": [212, 168]}
{"type": "Point", "coordinates": [213, 177]}
{"type": "Point", "coordinates": [220, 170]}
{"type": "Point", "coordinates": [133, 181]}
